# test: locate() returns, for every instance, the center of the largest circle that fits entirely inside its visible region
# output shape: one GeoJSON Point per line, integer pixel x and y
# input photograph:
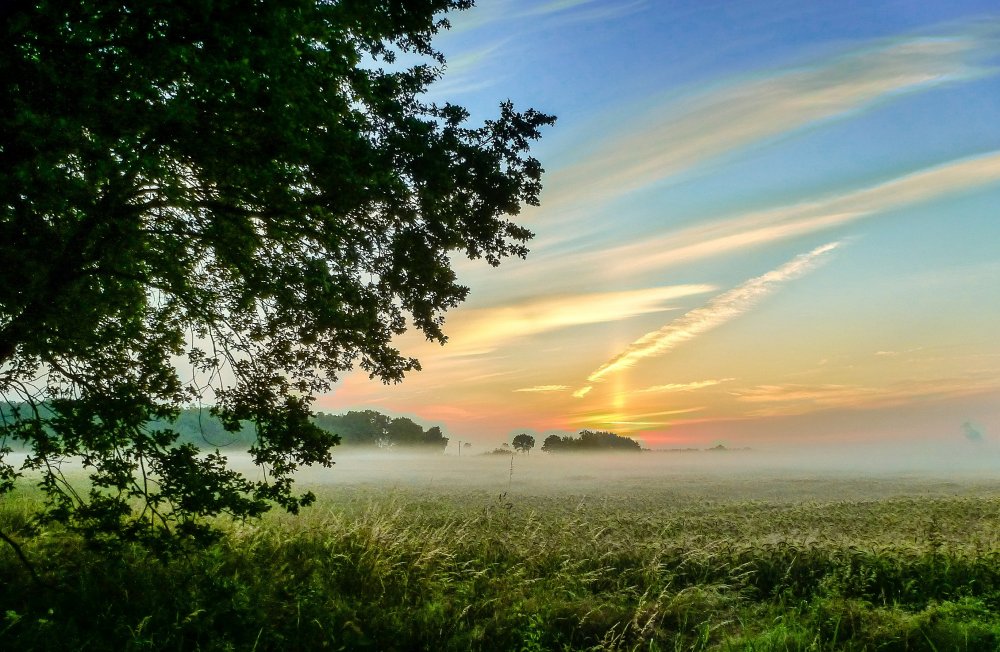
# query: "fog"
{"type": "Point", "coordinates": [832, 473]}
{"type": "Point", "coordinates": [814, 473]}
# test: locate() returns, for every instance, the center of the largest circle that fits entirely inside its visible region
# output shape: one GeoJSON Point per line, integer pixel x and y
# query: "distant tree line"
{"type": "Point", "coordinates": [590, 440]}
{"type": "Point", "coordinates": [376, 430]}
{"type": "Point", "coordinates": [503, 449]}
{"type": "Point", "coordinates": [369, 428]}
{"type": "Point", "coordinates": [366, 428]}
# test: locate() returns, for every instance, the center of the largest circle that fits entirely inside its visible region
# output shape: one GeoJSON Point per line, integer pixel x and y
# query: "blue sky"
{"type": "Point", "coordinates": [755, 214]}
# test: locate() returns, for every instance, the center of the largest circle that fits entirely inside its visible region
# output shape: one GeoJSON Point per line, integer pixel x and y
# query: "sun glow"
{"type": "Point", "coordinates": [646, 305]}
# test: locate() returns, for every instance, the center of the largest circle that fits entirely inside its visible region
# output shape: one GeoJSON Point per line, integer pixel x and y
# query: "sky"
{"type": "Point", "coordinates": [766, 224]}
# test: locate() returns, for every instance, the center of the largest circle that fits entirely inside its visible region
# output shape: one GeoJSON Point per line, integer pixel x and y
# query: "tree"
{"type": "Point", "coordinates": [435, 438]}
{"type": "Point", "coordinates": [590, 441]}
{"type": "Point", "coordinates": [404, 432]}
{"type": "Point", "coordinates": [260, 191]}
{"type": "Point", "coordinates": [364, 428]}
{"type": "Point", "coordinates": [552, 444]}
{"type": "Point", "coordinates": [371, 428]}
{"type": "Point", "coordinates": [600, 439]}
{"type": "Point", "coordinates": [523, 442]}
{"type": "Point", "coordinates": [199, 427]}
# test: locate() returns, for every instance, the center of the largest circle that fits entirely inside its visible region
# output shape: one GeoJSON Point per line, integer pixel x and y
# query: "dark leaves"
{"type": "Point", "coordinates": [243, 187]}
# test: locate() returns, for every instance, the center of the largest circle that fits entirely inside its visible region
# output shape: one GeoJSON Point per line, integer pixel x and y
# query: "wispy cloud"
{"type": "Point", "coordinates": [481, 330]}
{"type": "Point", "coordinates": [603, 416]}
{"type": "Point", "coordinates": [554, 6]}
{"type": "Point", "coordinates": [787, 400]}
{"type": "Point", "coordinates": [469, 61]}
{"type": "Point", "coordinates": [586, 10]}
{"type": "Point", "coordinates": [496, 11]}
{"type": "Point", "coordinates": [760, 228]}
{"type": "Point", "coordinates": [468, 72]}
{"type": "Point", "coordinates": [682, 387]}
{"type": "Point", "coordinates": [718, 311]}
{"type": "Point", "coordinates": [896, 354]}
{"type": "Point", "coordinates": [808, 217]}
{"type": "Point", "coordinates": [583, 391]}
{"type": "Point", "coordinates": [544, 388]}
{"type": "Point", "coordinates": [679, 135]}
{"type": "Point", "coordinates": [628, 422]}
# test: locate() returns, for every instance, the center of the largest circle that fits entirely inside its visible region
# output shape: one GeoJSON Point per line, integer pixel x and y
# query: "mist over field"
{"type": "Point", "coordinates": [833, 472]}
{"type": "Point", "coordinates": [841, 547]}
{"type": "Point", "coordinates": [806, 474]}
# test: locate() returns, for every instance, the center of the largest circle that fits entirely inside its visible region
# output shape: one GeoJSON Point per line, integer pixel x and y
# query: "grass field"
{"type": "Point", "coordinates": [446, 554]}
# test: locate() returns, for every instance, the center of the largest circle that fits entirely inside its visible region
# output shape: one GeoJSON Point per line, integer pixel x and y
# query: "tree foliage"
{"type": "Point", "coordinates": [374, 429]}
{"type": "Point", "coordinates": [590, 441]}
{"type": "Point", "coordinates": [358, 428]}
{"type": "Point", "coordinates": [227, 203]}
{"type": "Point", "coordinates": [523, 442]}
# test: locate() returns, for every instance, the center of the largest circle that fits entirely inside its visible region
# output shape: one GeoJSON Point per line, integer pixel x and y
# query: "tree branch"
{"type": "Point", "coordinates": [25, 562]}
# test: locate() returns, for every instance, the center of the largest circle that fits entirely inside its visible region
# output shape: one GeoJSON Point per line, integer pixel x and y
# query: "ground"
{"type": "Point", "coordinates": [644, 551]}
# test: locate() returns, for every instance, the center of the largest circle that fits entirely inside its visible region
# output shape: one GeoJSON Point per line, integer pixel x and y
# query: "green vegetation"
{"type": "Point", "coordinates": [590, 441]}
{"type": "Point", "coordinates": [459, 570]}
{"type": "Point", "coordinates": [373, 429]}
{"type": "Point", "coordinates": [210, 202]}
{"type": "Point", "coordinates": [523, 442]}
{"type": "Point", "coordinates": [200, 428]}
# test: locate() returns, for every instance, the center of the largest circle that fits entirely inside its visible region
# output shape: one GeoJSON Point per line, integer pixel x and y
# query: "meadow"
{"type": "Point", "coordinates": [647, 552]}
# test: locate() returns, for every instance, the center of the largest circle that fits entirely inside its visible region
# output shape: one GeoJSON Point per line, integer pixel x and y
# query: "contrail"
{"type": "Point", "coordinates": [721, 309]}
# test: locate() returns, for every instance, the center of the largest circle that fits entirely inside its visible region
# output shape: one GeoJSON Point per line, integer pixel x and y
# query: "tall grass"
{"type": "Point", "coordinates": [410, 570]}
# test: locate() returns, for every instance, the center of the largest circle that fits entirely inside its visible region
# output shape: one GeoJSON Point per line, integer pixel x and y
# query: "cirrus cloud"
{"type": "Point", "coordinates": [718, 311]}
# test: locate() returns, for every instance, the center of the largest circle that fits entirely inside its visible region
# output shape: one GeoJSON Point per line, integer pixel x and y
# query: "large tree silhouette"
{"type": "Point", "coordinates": [231, 204]}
